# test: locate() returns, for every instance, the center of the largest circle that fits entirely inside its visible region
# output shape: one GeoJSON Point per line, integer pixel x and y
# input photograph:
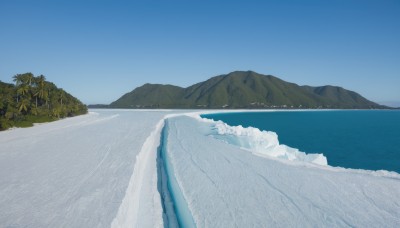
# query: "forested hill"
{"type": "Point", "coordinates": [33, 100]}
{"type": "Point", "coordinates": [243, 89]}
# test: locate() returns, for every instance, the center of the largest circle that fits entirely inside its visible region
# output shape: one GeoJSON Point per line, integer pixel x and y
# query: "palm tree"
{"type": "Point", "coordinates": [18, 80]}
{"type": "Point", "coordinates": [28, 78]}
{"type": "Point", "coordinates": [36, 94]}
{"type": "Point", "coordinates": [40, 80]}
{"type": "Point", "coordinates": [23, 89]}
{"type": "Point", "coordinates": [23, 105]}
{"type": "Point", "coordinates": [41, 90]}
{"type": "Point", "coordinates": [61, 96]}
{"type": "Point", "coordinates": [47, 96]}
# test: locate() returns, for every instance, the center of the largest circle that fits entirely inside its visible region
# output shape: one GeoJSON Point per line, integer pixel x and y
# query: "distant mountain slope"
{"type": "Point", "coordinates": [151, 95]}
{"type": "Point", "coordinates": [242, 89]}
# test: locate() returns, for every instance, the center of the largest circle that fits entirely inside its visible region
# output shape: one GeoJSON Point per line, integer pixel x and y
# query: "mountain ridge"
{"type": "Point", "coordinates": [243, 89]}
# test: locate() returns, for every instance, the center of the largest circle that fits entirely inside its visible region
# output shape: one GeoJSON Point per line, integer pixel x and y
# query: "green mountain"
{"type": "Point", "coordinates": [242, 89]}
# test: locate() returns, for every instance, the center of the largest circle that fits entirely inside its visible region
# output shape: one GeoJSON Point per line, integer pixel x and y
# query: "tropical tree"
{"type": "Point", "coordinates": [23, 105]}
{"type": "Point", "coordinates": [11, 113]}
{"type": "Point", "coordinates": [61, 96]}
{"type": "Point", "coordinates": [23, 89]}
{"type": "Point", "coordinates": [41, 80]}
{"type": "Point", "coordinates": [33, 94]}
{"type": "Point", "coordinates": [36, 94]}
{"type": "Point", "coordinates": [6, 99]}
{"type": "Point", "coordinates": [2, 104]}
{"type": "Point", "coordinates": [28, 78]}
{"type": "Point", "coordinates": [41, 90]}
{"type": "Point", "coordinates": [18, 78]}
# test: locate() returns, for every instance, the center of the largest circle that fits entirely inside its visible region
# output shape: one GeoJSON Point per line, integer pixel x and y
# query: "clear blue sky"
{"type": "Point", "coordinates": [99, 50]}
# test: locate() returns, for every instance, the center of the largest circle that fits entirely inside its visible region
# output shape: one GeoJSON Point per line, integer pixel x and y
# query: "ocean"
{"type": "Point", "coordinates": [358, 139]}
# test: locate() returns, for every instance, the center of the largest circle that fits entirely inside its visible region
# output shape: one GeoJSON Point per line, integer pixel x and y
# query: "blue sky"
{"type": "Point", "coordinates": [99, 50]}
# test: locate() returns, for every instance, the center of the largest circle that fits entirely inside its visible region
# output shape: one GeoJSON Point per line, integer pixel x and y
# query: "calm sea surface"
{"type": "Point", "coordinates": [351, 139]}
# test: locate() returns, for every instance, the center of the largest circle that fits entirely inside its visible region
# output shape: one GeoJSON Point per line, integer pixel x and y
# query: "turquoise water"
{"type": "Point", "coordinates": [181, 208]}
{"type": "Point", "coordinates": [350, 139]}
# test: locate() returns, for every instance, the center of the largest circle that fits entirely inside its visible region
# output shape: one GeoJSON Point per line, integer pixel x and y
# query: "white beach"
{"type": "Point", "coordinates": [100, 170]}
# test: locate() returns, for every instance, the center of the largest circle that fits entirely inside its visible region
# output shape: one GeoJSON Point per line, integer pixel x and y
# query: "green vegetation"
{"type": "Point", "coordinates": [35, 100]}
{"type": "Point", "coordinates": [243, 89]}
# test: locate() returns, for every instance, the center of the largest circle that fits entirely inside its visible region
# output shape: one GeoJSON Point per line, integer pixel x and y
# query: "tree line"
{"type": "Point", "coordinates": [32, 99]}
